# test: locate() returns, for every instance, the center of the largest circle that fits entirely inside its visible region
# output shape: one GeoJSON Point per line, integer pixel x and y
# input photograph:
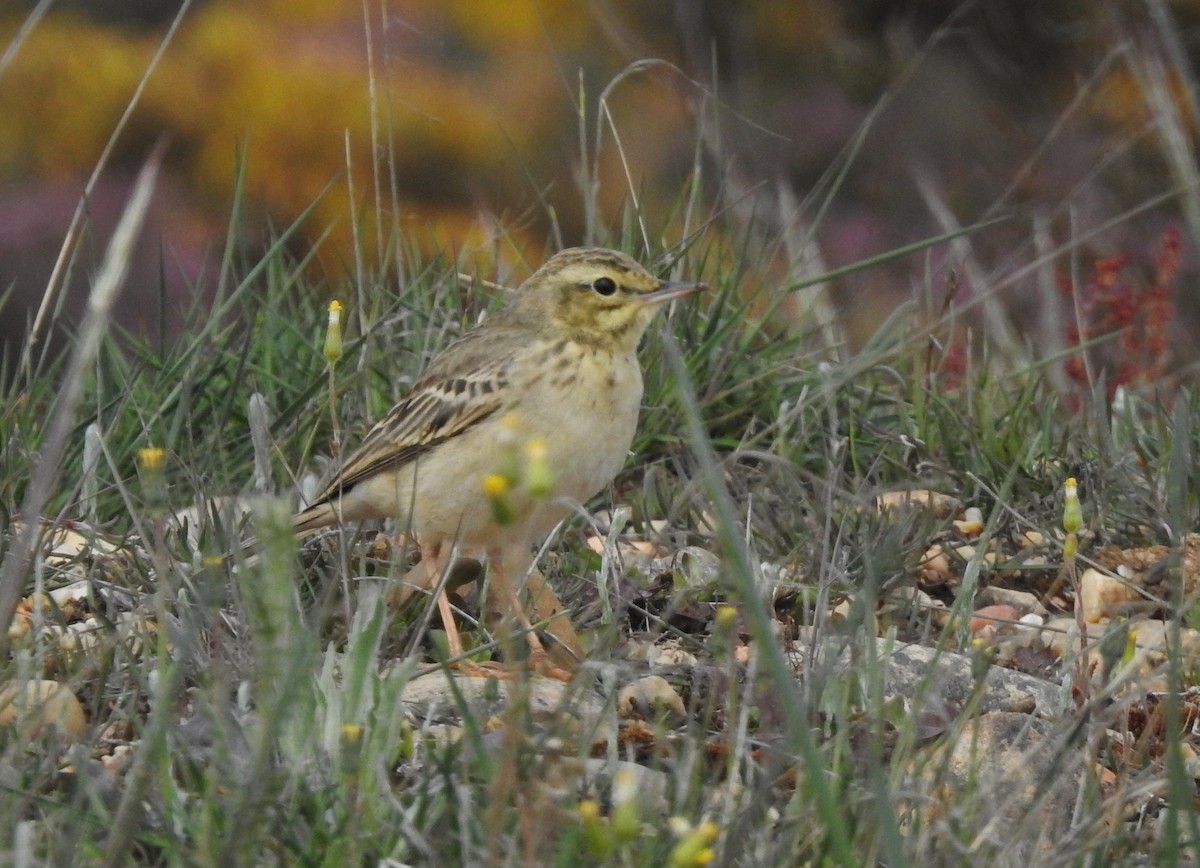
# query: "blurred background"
{"type": "Point", "coordinates": [809, 134]}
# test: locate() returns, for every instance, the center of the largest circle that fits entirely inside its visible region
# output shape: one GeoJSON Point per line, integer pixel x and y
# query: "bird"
{"type": "Point", "coordinates": [526, 414]}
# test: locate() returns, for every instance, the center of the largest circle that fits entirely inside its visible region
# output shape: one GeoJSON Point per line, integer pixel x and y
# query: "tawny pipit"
{"type": "Point", "coordinates": [529, 412]}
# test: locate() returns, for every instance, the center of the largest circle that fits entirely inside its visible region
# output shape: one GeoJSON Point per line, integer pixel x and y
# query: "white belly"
{"type": "Point", "coordinates": [584, 451]}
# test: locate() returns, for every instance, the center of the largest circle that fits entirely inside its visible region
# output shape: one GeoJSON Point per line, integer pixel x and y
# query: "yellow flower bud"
{"type": "Point", "coordinates": [539, 478]}
{"type": "Point", "coordinates": [1130, 649]}
{"type": "Point", "coordinates": [596, 836]}
{"type": "Point", "coordinates": [151, 462]}
{"type": "Point", "coordinates": [351, 739]}
{"type": "Point", "coordinates": [496, 485]}
{"type": "Point", "coordinates": [510, 427]}
{"type": "Point", "coordinates": [625, 817]}
{"type": "Point", "coordinates": [1072, 511]}
{"type": "Point", "coordinates": [509, 461]}
{"type": "Point", "coordinates": [333, 333]}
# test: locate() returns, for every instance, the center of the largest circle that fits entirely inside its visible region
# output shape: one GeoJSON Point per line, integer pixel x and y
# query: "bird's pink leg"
{"type": "Point", "coordinates": [432, 557]}
{"type": "Point", "coordinates": [506, 595]}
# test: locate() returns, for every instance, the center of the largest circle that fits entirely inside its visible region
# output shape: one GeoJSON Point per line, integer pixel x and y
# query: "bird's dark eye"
{"type": "Point", "coordinates": [604, 285]}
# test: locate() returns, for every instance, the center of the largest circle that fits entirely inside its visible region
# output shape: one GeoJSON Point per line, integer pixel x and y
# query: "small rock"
{"type": "Point", "coordinates": [935, 568]}
{"type": "Point", "coordinates": [47, 703]}
{"type": "Point", "coordinates": [669, 655]}
{"type": "Point", "coordinates": [1032, 539]}
{"type": "Point", "coordinates": [1023, 601]}
{"type": "Point", "coordinates": [905, 599]}
{"type": "Point", "coordinates": [648, 697]}
{"type": "Point", "coordinates": [621, 781]}
{"type": "Point", "coordinates": [1057, 632]}
{"type": "Point", "coordinates": [1150, 644]}
{"type": "Point", "coordinates": [699, 568]}
{"type": "Point", "coordinates": [999, 617]}
{"type": "Point", "coordinates": [971, 523]}
{"type": "Point", "coordinates": [941, 505]}
{"type": "Point", "coordinates": [1102, 595]}
{"type": "Point", "coordinates": [1029, 631]}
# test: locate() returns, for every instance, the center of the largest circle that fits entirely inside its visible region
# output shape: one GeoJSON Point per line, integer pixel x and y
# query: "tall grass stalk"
{"type": "Point", "coordinates": [103, 296]}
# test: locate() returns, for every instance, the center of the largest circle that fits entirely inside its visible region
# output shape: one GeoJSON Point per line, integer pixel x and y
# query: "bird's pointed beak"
{"type": "Point", "coordinates": [669, 290]}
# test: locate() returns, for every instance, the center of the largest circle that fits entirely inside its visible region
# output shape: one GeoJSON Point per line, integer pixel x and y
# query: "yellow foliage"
{"type": "Point", "coordinates": [63, 94]}
{"type": "Point", "coordinates": [507, 28]}
{"type": "Point", "coordinates": [475, 104]}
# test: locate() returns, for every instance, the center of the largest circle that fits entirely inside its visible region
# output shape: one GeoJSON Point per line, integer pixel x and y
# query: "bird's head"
{"type": "Point", "coordinates": [598, 297]}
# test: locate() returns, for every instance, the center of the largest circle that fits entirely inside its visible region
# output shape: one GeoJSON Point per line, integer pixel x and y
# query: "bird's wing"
{"type": "Point", "coordinates": [465, 385]}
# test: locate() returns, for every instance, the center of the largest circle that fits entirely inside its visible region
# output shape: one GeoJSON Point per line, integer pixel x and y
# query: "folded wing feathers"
{"type": "Point", "coordinates": [441, 406]}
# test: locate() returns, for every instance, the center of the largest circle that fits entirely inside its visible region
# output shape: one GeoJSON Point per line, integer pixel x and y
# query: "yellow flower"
{"type": "Point", "coordinates": [151, 458]}
{"type": "Point", "coordinates": [151, 471]}
{"type": "Point", "coordinates": [496, 487]}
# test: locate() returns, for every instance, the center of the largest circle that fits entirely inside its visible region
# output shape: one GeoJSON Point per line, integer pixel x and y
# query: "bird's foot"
{"type": "Point", "coordinates": [486, 669]}
{"type": "Point", "coordinates": [538, 662]}
{"type": "Point", "coordinates": [542, 663]}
